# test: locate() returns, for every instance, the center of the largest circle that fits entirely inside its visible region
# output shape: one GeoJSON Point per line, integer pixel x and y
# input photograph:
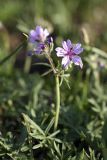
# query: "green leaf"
{"type": "Point", "coordinates": [44, 64]}
{"type": "Point", "coordinates": [54, 134]}
{"type": "Point", "coordinates": [47, 72]}
{"type": "Point", "coordinates": [49, 126]}
{"type": "Point", "coordinates": [13, 53]}
{"type": "Point", "coordinates": [38, 146]}
{"type": "Point", "coordinates": [32, 124]}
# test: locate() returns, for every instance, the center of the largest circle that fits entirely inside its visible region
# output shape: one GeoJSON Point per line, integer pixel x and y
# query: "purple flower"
{"type": "Point", "coordinates": [39, 48]}
{"type": "Point", "coordinates": [39, 35]}
{"type": "Point", "coordinates": [39, 39]}
{"type": "Point", "coordinates": [70, 53]}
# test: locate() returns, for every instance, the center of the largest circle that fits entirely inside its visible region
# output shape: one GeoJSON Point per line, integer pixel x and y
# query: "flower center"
{"type": "Point", "coordinates": [71, 52]}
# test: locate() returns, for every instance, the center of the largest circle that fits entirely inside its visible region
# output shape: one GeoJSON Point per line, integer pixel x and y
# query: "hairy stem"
{"type": "Point", "coordinates": [57, 90]}
{"type": "Point", "coordinates": [57, 101]}
{"type": "Point", "coordinates": [51, 63]}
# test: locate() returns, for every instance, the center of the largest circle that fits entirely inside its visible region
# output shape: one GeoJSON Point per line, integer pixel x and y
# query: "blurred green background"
{"type": "Point", "coordinates": [82, 124]}
{"type": "Point", "coordinates": [63, 18]}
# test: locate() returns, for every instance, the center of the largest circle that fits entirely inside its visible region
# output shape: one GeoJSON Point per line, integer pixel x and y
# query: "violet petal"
{"type": "Point", "coordinates": [77, 49]}
{"type": "Point", "coordinates": [77, 61]}
{"type": "Point", "coordinates": [60, 52]}
{"type": "Point", "coordinates": [46, 33]}
{"type": "Point", "coordinates": [69, 44]}
{"type": "Point", "coordinates": [64, 44]}
{"type": "Point", "coordinates": [65, 61]}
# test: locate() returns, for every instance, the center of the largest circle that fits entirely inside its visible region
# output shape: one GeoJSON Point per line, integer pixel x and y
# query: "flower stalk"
{"type": "Point", "coordinates": [51, 62]}
{"type": "Point", "coordinates": [57, 101]}
{"type": "Point", "coordinates": [57, 91]}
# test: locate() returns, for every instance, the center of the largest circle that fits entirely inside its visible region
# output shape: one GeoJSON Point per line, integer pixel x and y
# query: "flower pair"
{"type": "Point", "coordinates": [69, 52]}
